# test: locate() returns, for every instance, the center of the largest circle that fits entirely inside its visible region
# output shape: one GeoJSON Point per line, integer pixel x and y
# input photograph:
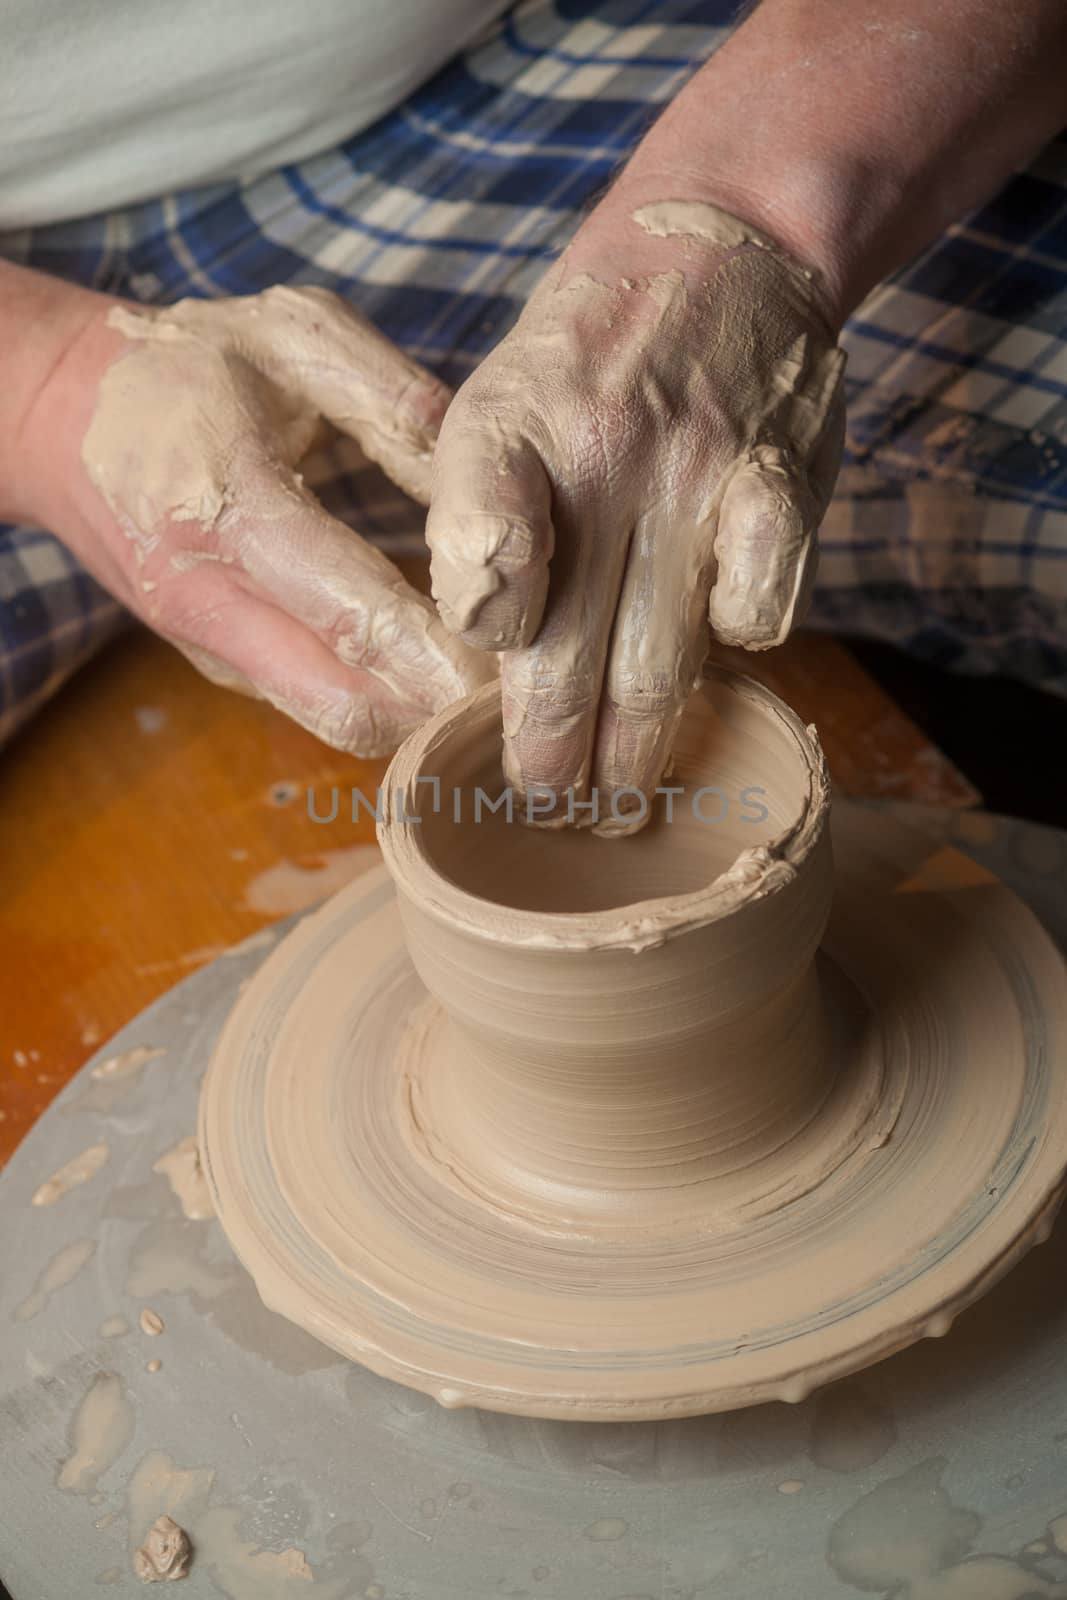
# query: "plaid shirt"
{"type": "Point", "coordinates": [948, 534]}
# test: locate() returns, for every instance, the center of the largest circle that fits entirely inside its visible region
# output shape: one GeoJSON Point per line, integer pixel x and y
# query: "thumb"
{"type": "Point", "coordinates": [765, 552]}
{"type": "Point", "coordinates": [490, 532]}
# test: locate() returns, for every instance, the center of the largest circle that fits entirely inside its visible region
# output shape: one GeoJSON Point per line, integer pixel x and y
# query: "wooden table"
{"type": "Point", "coordinates": [150, 820]}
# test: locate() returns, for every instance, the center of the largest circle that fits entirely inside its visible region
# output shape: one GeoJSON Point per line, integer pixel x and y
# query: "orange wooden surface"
{"type": "Point", "coordinates": [142, 808]}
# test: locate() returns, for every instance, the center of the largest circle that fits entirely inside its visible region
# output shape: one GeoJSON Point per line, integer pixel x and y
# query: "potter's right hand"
{"type": "Point", "coordinates": [164, 448]}
{"type": "Point", "coordinates": [641, 463]}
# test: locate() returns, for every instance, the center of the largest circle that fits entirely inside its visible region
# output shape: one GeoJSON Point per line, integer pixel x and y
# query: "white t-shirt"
{"type": "Point", "coordinates": [106, 102]}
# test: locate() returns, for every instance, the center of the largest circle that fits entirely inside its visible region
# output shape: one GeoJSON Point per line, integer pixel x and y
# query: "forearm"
{"type": "Point", "coordinates": [855, 131]}
{"type": "Point", "coordinates": [44, 325]}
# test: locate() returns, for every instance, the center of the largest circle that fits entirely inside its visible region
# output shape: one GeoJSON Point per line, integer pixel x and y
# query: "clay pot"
{"type": "Point", "coordinates": [625, 1016]}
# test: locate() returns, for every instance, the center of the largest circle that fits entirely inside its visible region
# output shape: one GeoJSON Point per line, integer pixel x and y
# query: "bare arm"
{"type": "Point", "coordinates": [855, 131]}
{"type": "Point", "coordinates": [44, 324]}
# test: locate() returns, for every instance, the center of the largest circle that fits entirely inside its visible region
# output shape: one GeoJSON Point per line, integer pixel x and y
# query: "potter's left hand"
{"type": "Point", "coordinates": [167, 446]}
{"type": "Point", "coordinates": [642, 462]}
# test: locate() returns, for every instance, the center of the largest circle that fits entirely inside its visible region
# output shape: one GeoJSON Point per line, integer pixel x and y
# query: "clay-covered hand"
{"type": "Point", "coordinates": [196, 516]}
{"type": "Point", "coordinates": [642, 462]}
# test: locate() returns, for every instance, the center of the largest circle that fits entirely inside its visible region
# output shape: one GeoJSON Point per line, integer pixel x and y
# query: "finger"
{"type": "Point", "coordinates": [550, 691]}
{"type": "Point", "coordinates": [361, 382]}
{"type": "Point", "coordinates": [310, 341]}
{"type": "Point", "coordinates": [765, 552]}
{"type": "Point", "coordinates": [490, 532]}
{"type": "Point", "coordinates": [245, 644]}
{"type": "Point", "coordinates": [658, 646]}
{"type": "Point", "coordinates": [346, 592]}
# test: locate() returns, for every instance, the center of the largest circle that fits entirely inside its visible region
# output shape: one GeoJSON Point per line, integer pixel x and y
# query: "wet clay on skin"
{"type": "Point", "coordinates": [715, 380]}
{"type": "Point", "coordinates": [249, 386]}
{"type": "Point", "coordinates": [576, 1127]}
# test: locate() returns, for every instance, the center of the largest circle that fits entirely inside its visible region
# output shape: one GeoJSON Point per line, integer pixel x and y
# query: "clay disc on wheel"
{"type": "Point", "coordinates": [950, 1023]}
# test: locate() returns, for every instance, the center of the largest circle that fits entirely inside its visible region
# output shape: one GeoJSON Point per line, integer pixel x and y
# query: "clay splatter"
{"type": "Point", "coordinates": [125, 1064]}
{"type": "Point", "coordinates": [76, 1172]}
{"type": "Point", "coordinates": [150, 719]}
{"type": "Point", "coordinates": [165, 1553]}
{"type": "Point", "coordinates": [282, 793]}
{"type": "Point", "coordinates": [295, 885]}
{"type": "Point", "coordinates": [181, 1167]}
{"type": "Point", "coordinates": [906, 1539]}
{"type": "Point", "coordinates": [159, 1488]}
{"type": "Point", "coordinates": [56, 1275]}
{"type": "Point", "coordinates": [606, 1529]}
{"type": "Point", "coordinates": [101, 1431]}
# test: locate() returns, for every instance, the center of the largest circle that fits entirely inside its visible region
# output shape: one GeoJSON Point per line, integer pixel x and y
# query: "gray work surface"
{"type": "Point", "coordinates": [938, 1475]}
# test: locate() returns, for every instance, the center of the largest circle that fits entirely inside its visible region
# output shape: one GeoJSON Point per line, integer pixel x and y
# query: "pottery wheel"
{"type": "Point", "coordinates": [940, 1474]}
{"type": "Point", "coordinates": [950, 1026]}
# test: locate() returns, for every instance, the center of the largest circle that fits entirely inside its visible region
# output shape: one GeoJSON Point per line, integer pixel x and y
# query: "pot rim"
{"type": "Point", "coordinates": [755, 874]}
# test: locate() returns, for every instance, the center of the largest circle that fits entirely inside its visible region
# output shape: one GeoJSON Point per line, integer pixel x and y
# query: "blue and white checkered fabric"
{"type": "Point", "coordinates": [948, 535]}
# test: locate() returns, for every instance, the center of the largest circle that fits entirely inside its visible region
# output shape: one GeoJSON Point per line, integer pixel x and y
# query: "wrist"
{"type": "Point", "coordinates": [803, 213]}
{"type": "Point", "coordinates": [640, 229]}
{"type": "Point", "coordinates": [57, 344]}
